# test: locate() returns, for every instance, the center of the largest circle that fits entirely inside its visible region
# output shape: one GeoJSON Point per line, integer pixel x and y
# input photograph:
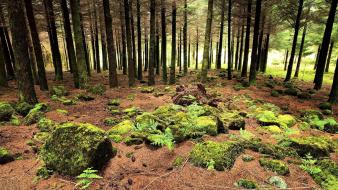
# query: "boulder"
{"type": "Point", "coordinates": [246, 184]}
{"type": "Point", "coordinates": [274, 165]}
{"type": "Point", "coordinates": [23, 108]}
{"type": "Point", "coordinates": [74, 147]}
{"type": "Point", "coordinates": [325, 106]}
{"type": "Point", "coordinates": [5, 157]}
{"type": "Point", "coordinates": [291, 91]}
{"type": "Point", "coordinates": [266, 118]}
{"type": "Point", "coordinates": [213, 155]}
{"type": "Point", "coordinates": [99, 89]}
{"type": "Point", "coordinates": [6, 111]}
{"type": "Point", "coordinates": [316, 146]}
{"type": "Point", "coordinates": [122, 128]}
{"type": "Point", "coordinates": [286, 120]}
{"type": "Point", "coordinates": [232, 120]}
{"type": "Point", "coordinates": [85, 97]}
{"type": "Point", "coordinates": [35, 114]}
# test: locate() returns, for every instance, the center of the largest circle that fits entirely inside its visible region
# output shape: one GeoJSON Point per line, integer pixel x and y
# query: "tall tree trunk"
{"type": "Point", "coordinates": [131, 68]}
{"type": "Point", "coordinates": [185, 39]}
{"type": "Point", "coordinates": [286, 60]}
{"type": "Point", "coordinates": [132, 28]}
{"type": "Point", "coordinates": [180, 52]}
{"type": "Point", "coordinates": [3, 77]}
{"type": "Point", "coordinates": [157, 50]}
{"type": "Point", "coordinates": [172, 76]}
{"type": "Point", "coordinates": [78, 39]}
{"type": "Point", "coordinates": [152, 49]}
{"type": "Point", "coordinates": [197, 41]}
{"type": "Point", "coordinates": [97, 48]}
{"type": "Point", "coordinates": [241, 49]}
{"type": "Point", "coordinates": [53, 39]}
{"type": "Point", "coordinates": [237, 48]}
{"type": "Point", "coordinates": [266, 55]}
{"type": "Point", "coordinates": [219, 53]}
{"type": "Point", "coordinates": [252, 77]}
{"type": "Point", "coordinates": [327, 68]}
{"type": "Point", "coordinates": [104, 42]}
{"type": "Point", "coordinates": [229, 41]}
{"type": "Point", "coordinates": [85, 47]}
{"type": "Point", "coordinates": [189, 52]}
{"type": "Point", "coordinates": [300, 52]}
{"type": "Point", "coordinates": [69, 42]}
{"type": "Point", "coordinates": [19, 30]}
{"type": "Point", "coordinates": [139, 41]}
{"type": "Point", "coordinates": [113, 82]}
{"type": "Point", "coordinates": [247, 40]}
{"type": "Point", "coordinates": [146, 49]}
{"type": "Point", "coordinates": [164, 42]}
{"type": "Point", "coordinates": [317, 57]}
{"type": "Point", "coordinates": [205, 61]}
{"type": "Point", "coordinates": [294, 44]}
{"type": "Point", "coordinates": [123, 38]}
{"type": "Point", "coordinates": [32, 58]}
{"type": "Point", "coordinates": [260, 44]}
{"type": "Point", "coordinates": [334, 89]}
{"type": "Point", "coordinates": [325, 46]}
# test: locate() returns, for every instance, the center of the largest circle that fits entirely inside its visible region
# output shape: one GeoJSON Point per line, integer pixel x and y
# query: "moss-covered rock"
{"type": "Point", "coordinates": [309, 115]}
{"type": "Point", "coordinates": [325, 106]}
{"type": "Point", "coordinates": [99, 89]}
{"type": "Point", "coordinates": [247, 158]}
{"type": "Point", "coordinates": [208, 124]}
{"type": "Point", "coordinates": [6, 111]}
{"type": "Point", "coordinates": [327, 112]}
{"type": "Point", "coordinates": [232, 120]}
{"type": "Point", "coordinates": [41, 137]}
{"type": "Point", "coordinates": [304, 96]}
{"type": "Point", "coordinates": [213, 155]}
{"type": "Point", "coordinates": [274, 93]}
{"type": "Point", "coordinates": [15, 120]}
{"type": "Point", "coordinates": [275, 151]}
{"type": "Point", "coordinates": [147, 89]}
{"type": "Point", "coordinates": [286, 120]}
{"type": "Point", "coordinates": [122, 128]}
{"type": "Point", "coordinates": [114, 102]}
{"type": "Point", "coordinates": [46, 125]}
{"type": "Point", "coordinates": [85, 97]}
{"type": "Point", "coordinates": [273, 129]}
{"type": "Point", "coordinates": [59, 91]}
{"type": "Point", "coordinates": [23, 108]}
{"type": "Point", "coordinates": [316, 146]}
{"type": "Point", "coordinates": [110, 121]}
{"type": "Point", "coordinates": [291, 91]}
{"type": "Point", "coordinates": [246, 184]}
{"type": "Point", "coordinates": [133, 111]}
{"type": "Point", "coordinates": [5, 156]}
{"type": "Point", "coordinates": [266, 118]}
{"type": "Point", "coordinates": [35, 114]}
{"type": "Point", "coordinates": [274, 165]}
{"type": "Point", "coordinates": [73, 147]}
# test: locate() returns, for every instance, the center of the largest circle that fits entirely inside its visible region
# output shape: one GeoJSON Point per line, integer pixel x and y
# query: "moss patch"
{"type": "Point", "coordinates": [5, 156]}
{"type": "Point", "coordinates": [6, 111]}
{"type": "Point", "coordinates": [246, 184]}
{"type": "Point", "coordinates": [274, 165]}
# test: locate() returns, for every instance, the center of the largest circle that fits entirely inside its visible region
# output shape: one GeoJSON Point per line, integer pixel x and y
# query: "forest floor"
{"type": "Point", "coordinates": [152, 168]}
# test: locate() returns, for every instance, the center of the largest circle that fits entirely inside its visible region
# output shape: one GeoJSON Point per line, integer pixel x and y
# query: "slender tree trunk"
{"type": "Point", "coordinates": [164, 42]}
{"type": "Point", "coordinates": [252, 77]}
{"type": "Point", "coordinates": [229, 42]}
{"type": "Point", "coordinates": [172, 76]}
{"type": "Point", "coordinates": [334, 89]}
{"type": "Point", "coordinates": [189, 48]}
{"type": "Point", "coordinates": [78, 39]}
{"type": "Point", "coordinates": [157, 50]}
{"type": "Point", "coordinates": [286, 60]}
{"type": "Point", "coordinates": [146, 49]}
{"type": "Point", "coordinates": [19, 30]}
{"type": "Point", "coordinates": [317, 57]}
{"type": "Point", "coordinates": [152, 49]}
{"type": "Point", "coordinates": [325, 46]}
{"type": "Point", "coordinates": [69, 42]}
{"type": "Point", "coordinates": [123, 38]}
{"type": "Point", "coordinates": [37, 46]}
{"type": "Point", "coordinates": [85, 47]}
{"type": "Point", "coordinates": [219, 53]}
{"type": "Point", "coordinates": [205, 61]}
{"type": "Point", "coordinates": [113, 82]}
{"type": "Point", "coordinates": [131, 69]}
{"type": "Point", "coordinates": [97, 48]}
{"type": "Point", "coordinates": [139, 41]}
{"type": "Point", "coordinates": [266, 53]}
{"type": "Point", "coordinates": [53, 39]}
{"type": "Point", "coordinates": [247, 41]}
{"type": "Point", "coordinates": [132, 28]}
{"type": "Point", "coordinates": [237, 48]}
{"type": "Point", "coordinates": [3, 77]}
{"type": "Point", "coordinates": [300, 52]}
{"type": "Point", "coordinates": [104, 43]}
{"type": "Point", "coordinates": [185, 39]}
{"type": "Point", "coordinates": [327, 68]}
{"type": "Point", "coordinates": [294, 44]}
{"type": "Point", "coordinates": [197, 41]}
{"type": "Point", "coordinates": [32, 58]}
{"type": "Point", "coordinates": [260, 44]}
{"type": "Point", "coordinates": [241, 49]}
{"type": "Point", "coordinates": [180, 52]}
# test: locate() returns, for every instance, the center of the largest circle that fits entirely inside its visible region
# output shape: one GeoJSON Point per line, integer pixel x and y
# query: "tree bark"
{"type": "Point", "coordinates": [260, 44]}
{"type": "Point", "coordinates": [131, 68]}
{"type": "Point", "coordinates": [3, 77]}
{"type": "Point", "coordinates": [132, 28]}
{"type": "Point", "coordinates": [172, 76]}
{"type": "Point", "coordinates": [237, 48]}
{"type": "Point", "coordinates": [18, 27]}
{"type": "Point", "coordinates": [78, 38]}
{"type": "Point", "coordinates": [334, 89]}
{"type": "Point", "coordinates": [185, 39]}
{"type": "Point", "coordinates": [252, 77]}
{"type": "Point", "coordinates": [164, 42]}
{"type": "Point", "coordinates": [286, 60]}
{"type": "Point", "coordinates": [139, 41]}
{"type": "Point", "coordinates": [241, 49]}
{"type": "Point", "coordinates": [229, 41]}
{"type": "Point", "coordinates": [53, 39]}
{"type": "Point", "coordinates": [123, 38]}
{"type": "Point", "coordinates": [219, 53]}
{"type": "Point", "coordinates": [152, 57]}
{"type": "Point", "coordinates": [113, 81]}
{"type": "Point", "coordinates": [204, 73]}
{"type": "Point", "coordinates": [327, 68]}
{"type": "Point", "coordinates": [294, 44]}
{"type": "Point", "coordinates": [247, 40]}
{"type": "Point", "coordinates": [104, 42]}
{"type": "Point", "coordinates": [197, 41]}
{"type": "Point", "coordinates": [300, 52]}
{"type": "Point", "coordinates": [96, 33]}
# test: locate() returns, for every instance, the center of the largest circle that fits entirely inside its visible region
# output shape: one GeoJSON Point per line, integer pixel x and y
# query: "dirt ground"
{"type": "Point", "coordinates": [150, 168]}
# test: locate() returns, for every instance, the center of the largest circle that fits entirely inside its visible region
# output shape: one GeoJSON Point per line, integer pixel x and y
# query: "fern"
{"type": "Point", "coordinates": [85, 179]}
{"type": "Point", "coordinates": [150, 127]}
{"type": "Point", "coordinates": [246, 134]}
{"type": "Point", "coordinates": [163, 139]}
{"type": "Point", "coordinates": [309, 165]}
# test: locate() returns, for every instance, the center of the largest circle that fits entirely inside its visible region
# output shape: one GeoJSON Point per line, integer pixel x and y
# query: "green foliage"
{"type": "Point", "coordinates": [179, 161]}
{"type": "Point", "coordinates": [122, 128]}
{"type": "Point", "coordinates": [147, 89]}
{"type": "Point", "coordinates": [247, 158]}
{"type": "Point", "coordinates": [308, 165]}
{"type": "Point", "coordinates": [246, 184]}
{"type": "Point", "coordinates": [46, 125]}
{"type": "Point", "coordinates": [278, 182]}
{"type": "Point", "coordinates": [99, 89]}
{"type": "Point", "coordinates": [15, 120]}
{"type": "Point", "coordinates": [131, 97]}
{"type": "Point", "coordinates": [59, 91]}
{"type": "Point", "coordinates": [5, 156]}
{"type": "Point", "coordinates": [6, 111]}
{"type": "Point", "coordinates": [266, 118]}
{"type": "Point", "coordinates": [85, 179]}
{"type": "Point", "coordinates": [239, 87]}
{"type": "Point", "coordinates": [274, 165]}
{"type": "Point", "coordinates": [23, 108]}
{"type": "Point", "coordinates": [85, 97]}
{"type": "Point", "coordinates": [35, 114]}
{"type": "Point", "coordinates": [163, 139]}
{"type": "Point", "coordinates": [61, 111]}
{"type": "Point", "coordinates": [114, 102]}
{"type": "Point", "coordinates": [111, 121]}
{"type": "Point", "coordinates": [43, 173]}
{"type": "Point", "coordinates": [246, 135]}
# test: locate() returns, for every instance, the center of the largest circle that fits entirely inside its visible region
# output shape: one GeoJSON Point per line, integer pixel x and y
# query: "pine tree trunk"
{"type": "Point", "coordinates": [69, 43]}
{"type": "Point", "coordinates": [78, 39]}
{"type": "Point", "coordinates": [157, 50]}
{"type": "Point", "coordinates": [294, 44]}
{"type": "Point", "coordinates": [123, 38]}
{"type": "Point", "coordinates": [172, 76]}
{"type": "Point", "coordinates": [104, 43]}
{"type": "Point", "coordinates": [260, 45]}
{"type": "Point", "coordinates": [185, 39]}
{"type": "Point", "coordinates": [247, 40]}
{"type": "Point", "coordinates": [146, 49]}
{"type": "Point", "coordinates": [300, 52]}
{"type": "Point", "coordinates": [334, 89]}
{"type": "Point", "coordinates": [237, 49]}
{"type": "Point", "coordinates": [327, 68]}
{"type": "Point", "coordinates": [164, 42]}
{"type": "Point", "coordinates": [53, 39]}
{"type": "Point", "coordinates": [96, 33]}
{"type": "Point", "coordinates": [205, 61]}
{"type": "Point", "coordinates": [229, 41]}
{"type": "Point", "coordinates": [197, 41]}
{"type": "Point", "coordinates": [3, 77]}
{"type": "Point", "coordinates": [85, 47]}
{"type": "Point", "coordinates": [32, 57]}
{"type": "Point", "coordinates": [19, 30]}
{"type": "Point", "coordinates": [139, 41]}
{"type": "Point", "coordinates": [132, 28]}
{"type": "Point", "coordinates": [131, 69]}
{"type": "Point", "coordinates": [252, 77]}
{"type": "Point", "coordinates": [317, 57]}
{"type": "Point", "coordinates": [266, 54]}
{"type": "Point", "coordinates": [219, 53]}
{"type": "Point", "coordinates": [286, 60]}
{"type": "Point", "coordinates": [113, 81]}
{"type": "Point", "coordinates": [152, 57]}
{"type": "Point", "coordinates": [241, 49]}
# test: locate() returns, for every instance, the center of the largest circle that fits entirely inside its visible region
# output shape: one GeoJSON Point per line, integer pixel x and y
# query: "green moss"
{"type": "Point", "coordinates": [147, 89]}
{"type": "Point", "coordinates": [46, 125]}
{"type": "Point", "coordinates": [67, 102]}
{"type": "Point", "coordinates": [6, 111]}
{"type": "Point", "coordinates": [133, 111]}
{"type": "Point", "coordinates": [41, 137]}
{"type": "Point", "coordinates": [43, 173]}
{"type": "Point", "coordinates": [273, 129]}
{"type": "Point", "coordinates": [247, 158]}
{"type": "Point", "coordinates": [274, 165]}
{"type": "Point", "coordinates": [85, 97]}
{"type": "Point", "coordinates": [246, 184]}
{"type": "Point", "coordinates": [59, 91]}
{"type": "Point", "coordinates": [35, 114]}
{"type": "Point", "coordinates": [61, 111]}
{"type": "Point", "coordinates": [325, 106]}
{"type": "Point", "coordinates": [73, 147]}
{"type": "Point", "coordinates": [116, 138]}
{"type": "Point", "coordinates": [286, 120]}
{"type": "Point", "coordinates": [278, 182]}
{"type": "Point", "coordinates": [316, 146]}
{"type": "Point", "coordinates": [114, 102]}
{"type": "Point", "coordinates": [122, 128]}
{"type": "Point", "coordinates": [99, 89]}
{"type": "Point", "coordinates": [179, 161]}
{"type": "Point", "coordinates": [213, 155]}
{"type": "Point", "coordinates": [5, 156]}
{"type": "Point", "coordinates": [239, 87]}
{"type": "Point", "coordinates": [129, 141]}
{"type": "Point", "coordinates": [274, 93]}
{"type": "Point", "coordinates": [291, 91]}
{"type": "Point", "coordinates": [275, 151]}
{"type": "Point", "coordinates": [310, 115]}
{"type": "Point", "coordinates": [15, 120]}
{"type": "Point", "coordinates": [232, 120]}
{"type": "Point", "coordinates": [304, 126]}
{"type": "Point", "coordinates": [208, 124]}
{"type": "Point", "coordinates": [110, 121]}
{"type": "Point", "coordinates": [266, 118]}
{"type": "Point", "coordinates": [23, 108]}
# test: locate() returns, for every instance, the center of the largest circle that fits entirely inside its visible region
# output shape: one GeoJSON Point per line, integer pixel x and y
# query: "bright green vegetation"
{"type": "Point", "coordinates": [278, 182]}
{"type": "Point", "coordinates": [85, 179]}
{"type": "Point", "coordinates": [99, 89]}
{"type": "Point", "coordinates": [246, 184]}
{"type": "Point", "coordinates": [5, 156]}
{"type": "Point", "coordinates": [6, 111]}
{"type": "Point", "coordinates": [35, 114]}
{"type": "Point", "coordinates": [274, 165]}
{"type": "Point", "coordinates": [59, 91]}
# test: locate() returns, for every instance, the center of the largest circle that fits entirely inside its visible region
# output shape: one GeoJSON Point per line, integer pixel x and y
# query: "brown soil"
{"type": "Point", "coordinates": [152, 168]}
